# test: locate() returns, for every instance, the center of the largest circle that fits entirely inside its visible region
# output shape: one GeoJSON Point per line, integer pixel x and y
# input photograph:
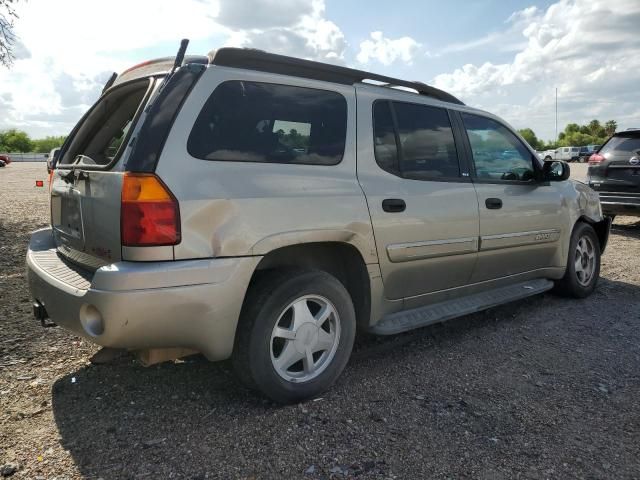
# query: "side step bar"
{"type": "Point", "coordinates": [439, 312]}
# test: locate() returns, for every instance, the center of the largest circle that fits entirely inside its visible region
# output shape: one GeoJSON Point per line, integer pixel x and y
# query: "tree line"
{"type": "Point", "coordinates": [17, 141]}
{"type": "Point", "coordinates": [574, 135]}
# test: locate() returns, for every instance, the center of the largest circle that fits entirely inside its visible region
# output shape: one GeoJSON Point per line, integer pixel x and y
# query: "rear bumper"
{"type": "Point", "coordinates": [614, 203]}
{"type": "Point", "coordinates": [192, 304]}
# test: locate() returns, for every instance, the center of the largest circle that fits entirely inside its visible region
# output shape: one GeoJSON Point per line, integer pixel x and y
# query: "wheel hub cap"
{"type": "Point", "coordinates": [305, 338]}
{"type": "Point", "coordinates": [585, 260]}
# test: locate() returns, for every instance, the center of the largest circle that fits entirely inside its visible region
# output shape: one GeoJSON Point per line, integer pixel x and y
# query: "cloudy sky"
{"type": "Point", "coordinates": [505, 57]}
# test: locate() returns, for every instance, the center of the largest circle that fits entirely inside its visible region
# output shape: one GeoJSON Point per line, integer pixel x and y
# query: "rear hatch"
{"type": "Point", "coordinates": [86, 186]}
{"type": "Point", "coordinates": [619, 168]}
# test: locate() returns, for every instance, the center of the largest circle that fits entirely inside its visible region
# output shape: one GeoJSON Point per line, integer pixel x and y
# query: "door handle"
{"type": "Point", "coordinates": [393, 205]}
{"type": "Point", "coordinates": [493, 203]}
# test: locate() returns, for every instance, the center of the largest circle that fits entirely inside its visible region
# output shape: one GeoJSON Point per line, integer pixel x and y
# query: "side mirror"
{"type": "Point", "coordinates": [555, 171]}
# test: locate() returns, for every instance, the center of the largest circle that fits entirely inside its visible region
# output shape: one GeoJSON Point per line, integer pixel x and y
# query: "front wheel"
{"type": "Point", "coordinates": [295, 334]}
{"type": "Point", "coordinates": [583, 264]}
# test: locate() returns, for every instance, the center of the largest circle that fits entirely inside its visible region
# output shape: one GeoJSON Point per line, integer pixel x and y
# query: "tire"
{"type": "Point", "coordinates": [279, 329]}
{"type": "Point", "coordinates": [583, 263]}
{"type": "Point", "coordinates": [547, 158]}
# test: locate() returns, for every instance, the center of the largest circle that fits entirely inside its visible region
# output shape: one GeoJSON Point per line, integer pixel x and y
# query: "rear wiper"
{"type": "Point", "coordinates": [176, 64]}
{"type": "Point", "coordinates": [180, 55]}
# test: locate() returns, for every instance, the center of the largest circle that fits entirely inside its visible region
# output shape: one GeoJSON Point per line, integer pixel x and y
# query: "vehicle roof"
{"type": "Point", "coordinates": [259, 60]}
{"type": "Point", "coordinates": [252, 59]}
{"type": "Point", "coordinates": [629, 132]}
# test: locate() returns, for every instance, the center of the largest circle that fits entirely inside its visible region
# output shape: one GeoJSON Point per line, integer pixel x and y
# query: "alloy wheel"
{"type": "Point", "coordinates": [305, 338]}
{"type": "Point", "coordinates": [585, 260]}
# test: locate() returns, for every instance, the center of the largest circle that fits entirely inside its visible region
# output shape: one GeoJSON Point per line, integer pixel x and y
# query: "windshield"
{"type": "Point", "coordinates": [103, 131]}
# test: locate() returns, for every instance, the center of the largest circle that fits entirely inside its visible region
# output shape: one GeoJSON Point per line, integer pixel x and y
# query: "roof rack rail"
{"type": "Point", "coordinates": [253, 59]}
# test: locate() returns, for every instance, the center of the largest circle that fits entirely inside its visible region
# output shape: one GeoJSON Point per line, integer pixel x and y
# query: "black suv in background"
{"type": "Point", "coordinates": [586, 152]}
{"type": "Point", "coordinates": [614, 172]}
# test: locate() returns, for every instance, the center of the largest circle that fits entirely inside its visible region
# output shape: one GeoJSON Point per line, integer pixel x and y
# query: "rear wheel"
{"type": "Point", "coordinates": [583, 264]}
{"type": "Point", "coordinates": [295, 334]}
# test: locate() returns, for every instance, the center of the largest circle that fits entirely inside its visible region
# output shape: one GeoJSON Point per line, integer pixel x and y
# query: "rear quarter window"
{"type": "Point", "coordinates": [270, 123]}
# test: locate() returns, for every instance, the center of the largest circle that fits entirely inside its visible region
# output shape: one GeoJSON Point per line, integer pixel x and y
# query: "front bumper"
{"type": "Point", "coordinates": [138, 305]}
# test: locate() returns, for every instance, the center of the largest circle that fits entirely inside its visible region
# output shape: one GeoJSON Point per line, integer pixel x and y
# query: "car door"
{"type": "Point", "coordinates": [423, 208]}
{"type": "Point", "coordinates": [520, 217]}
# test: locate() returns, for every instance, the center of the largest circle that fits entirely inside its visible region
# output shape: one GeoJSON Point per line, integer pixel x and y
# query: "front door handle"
{"type": "Point", "coordinates": [493, 203]}
{"type": "Point", "coordinates": [393, 205]}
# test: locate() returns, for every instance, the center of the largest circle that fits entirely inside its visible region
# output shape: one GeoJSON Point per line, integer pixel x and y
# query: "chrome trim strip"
{"type": "Point", "coordinates": [518, 239]}
{"type": "Point", "coordinates": [405, 252]}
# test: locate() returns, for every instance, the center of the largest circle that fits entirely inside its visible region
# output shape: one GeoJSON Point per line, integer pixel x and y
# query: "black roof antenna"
{"type": "Point", "coordinates": [180, 55]}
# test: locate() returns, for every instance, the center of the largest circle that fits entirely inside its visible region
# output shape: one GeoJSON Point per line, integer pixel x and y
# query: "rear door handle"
{"type": "Point", "coordinates": [493, 203]}
{"type": "Point", "coordinates": [393, 205]}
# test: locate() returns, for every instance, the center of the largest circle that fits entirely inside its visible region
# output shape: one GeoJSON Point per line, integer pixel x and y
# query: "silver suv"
{"type": "Point", "coordinates": [264, 208]}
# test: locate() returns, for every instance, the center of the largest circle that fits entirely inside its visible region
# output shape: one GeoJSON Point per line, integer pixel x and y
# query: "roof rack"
{"type": "Point", "coordinates": [260, 60]}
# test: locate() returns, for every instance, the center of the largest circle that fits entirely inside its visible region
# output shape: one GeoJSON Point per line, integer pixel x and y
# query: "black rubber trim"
{"type": "Point", "coordinates": [262, 61]}
{"type": "Point", "coordinates": [162, 113]}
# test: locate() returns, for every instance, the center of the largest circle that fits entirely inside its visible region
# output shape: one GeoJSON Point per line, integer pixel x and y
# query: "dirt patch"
{"type": "Point", "coordinates": [543, 388]}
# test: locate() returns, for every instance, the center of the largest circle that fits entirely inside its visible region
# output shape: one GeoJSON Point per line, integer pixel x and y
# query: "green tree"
{"type": "Point", "coordinates": [571, 128]}
{"type": "Point", "coordinates": [595, 129]}
{"type": "Point", "coordinates": [45, 145]}
{"type": "Point", "coordinates": [610, 127]}
{"type": "Point", "coordinates": [577, 139]}
{"type": "Point", "coordinates": [15, 141]}
{"type": "Point", "coordinates": [531, 138]}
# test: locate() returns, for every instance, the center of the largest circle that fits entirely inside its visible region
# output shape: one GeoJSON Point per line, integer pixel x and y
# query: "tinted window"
{"type": "Point", "coordinates": [422, 146]}
{"type": "Point", "coordinates": [262, 122]}
{"type": "Point", "coordinates": [497, 153]}
{"type": "Point", "coordinates": [386, 149]}
{"type": "Point", "coordinates": [621, 145]}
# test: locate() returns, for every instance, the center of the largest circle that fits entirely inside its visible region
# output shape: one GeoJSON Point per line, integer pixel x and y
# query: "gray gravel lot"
{"type": "Point", "coordinates": [543, 388]}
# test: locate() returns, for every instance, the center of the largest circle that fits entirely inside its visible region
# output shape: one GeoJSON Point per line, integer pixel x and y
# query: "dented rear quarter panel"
{"type": "Point", "coordinates": [246, 208]}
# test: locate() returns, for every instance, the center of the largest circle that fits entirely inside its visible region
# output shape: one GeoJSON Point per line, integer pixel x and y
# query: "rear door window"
{"type": "Point", "coordinates": [270, 123]}
{"type": "Point", "coordinates": [415, 141]}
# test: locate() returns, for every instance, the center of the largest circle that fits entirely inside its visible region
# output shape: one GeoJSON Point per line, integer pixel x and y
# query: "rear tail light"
{"type": "Point", "coordinates": [595, 159]}
{"type": "Point", "coordinates": [149, 213]}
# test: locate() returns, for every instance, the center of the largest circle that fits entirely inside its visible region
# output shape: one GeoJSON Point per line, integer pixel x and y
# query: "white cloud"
{"type": "Point", "coordinates": [65, 55]}
{"type": "Point", "coordinates": [585, 48]}
{"type": "Point", "coordinates": [386, 50]}
{"type": "Point", "coordinates": [303, 32]}
{"type": "Point", "coordinates": [264, 14]}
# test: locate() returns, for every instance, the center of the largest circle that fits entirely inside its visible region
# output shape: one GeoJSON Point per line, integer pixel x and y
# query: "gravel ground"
{"type": "Point", "coordinates": [544, 388]}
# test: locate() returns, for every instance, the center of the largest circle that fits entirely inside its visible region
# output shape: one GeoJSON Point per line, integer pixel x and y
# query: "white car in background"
{"type": "Point", "coordinates": [567, 154]}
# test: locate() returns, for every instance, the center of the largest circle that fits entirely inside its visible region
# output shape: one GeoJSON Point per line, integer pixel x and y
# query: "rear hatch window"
{"type": "Point", "coordinates": [102, 134]}
{"type": "Point", "coordinates": [86, 190]}
{"type": "Point", "coordinates": [622, 145]}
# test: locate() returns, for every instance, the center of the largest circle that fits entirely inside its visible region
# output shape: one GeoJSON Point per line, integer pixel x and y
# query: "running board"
{"type": "Point", "coordinates": [439, 312]}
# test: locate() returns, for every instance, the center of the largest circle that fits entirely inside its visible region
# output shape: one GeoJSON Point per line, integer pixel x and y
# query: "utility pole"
{"type": "Point", "coordinates": [556, 139]}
